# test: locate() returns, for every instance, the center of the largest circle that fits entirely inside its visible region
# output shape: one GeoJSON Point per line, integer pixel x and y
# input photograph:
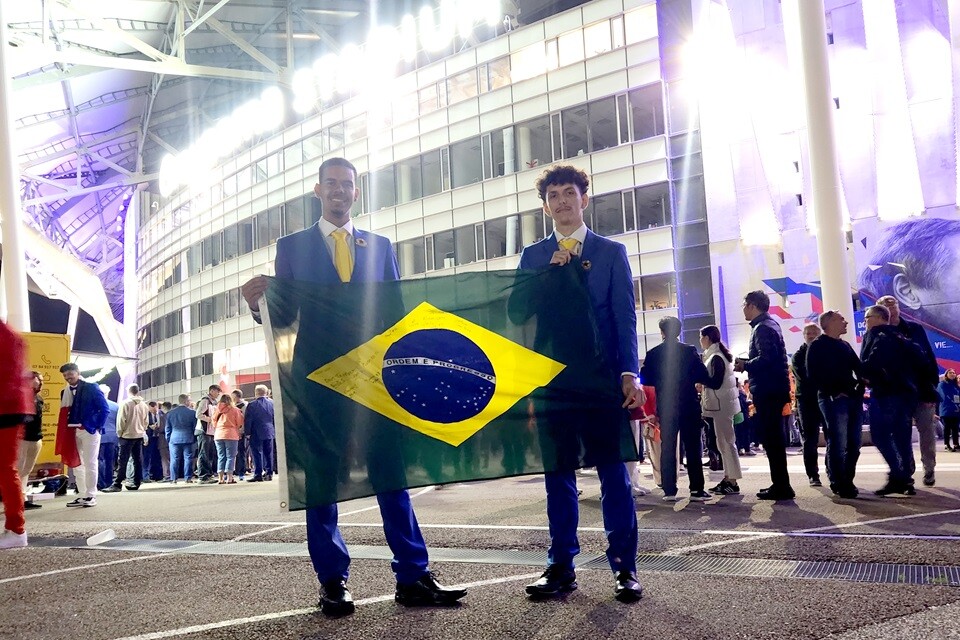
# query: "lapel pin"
{"type": "Point", "coordinates": [586, 265]}
{"type": "Point", "coordinates": [360, 242]}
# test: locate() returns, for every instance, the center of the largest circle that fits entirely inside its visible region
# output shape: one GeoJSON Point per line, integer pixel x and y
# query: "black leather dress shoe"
{"type": "Point", "coordinates": [335, 600]}
{"type": "Point", "coordinates": [256, 479]}
{"type": "Point", "coordinates": [776, 493]}
{"type": "Point", "coordinates": [627, 589]}
{"type": "Point", "coordinates": [427, 592]}
{"type": "Point", "coordinates": [554, 581]}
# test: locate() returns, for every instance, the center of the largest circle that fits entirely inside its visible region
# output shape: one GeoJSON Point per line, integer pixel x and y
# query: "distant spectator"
{"type": "Point", "coordinates": [132, 423]}
{"type": "Point", "coordinates": [32, 437]}
{"type": "Point", "coordinates": [109, 443]}
{"type": "Point", "coordinates": [84, 411]}
{"type": "Point", "coordinates": [228, 421]}
{"type": "Point", "coordinates": [259, 427]}
{"type": "Point", "coordinates": [949, 392]}
{"type": "Point", "coordinates": [178, 431]}
{"type": "Point", "coordinates": [719, 402]}
{"type": "Point", "coordinates": [808, 407]}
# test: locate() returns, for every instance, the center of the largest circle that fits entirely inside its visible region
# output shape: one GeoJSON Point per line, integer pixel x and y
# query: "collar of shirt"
{"type": "Point", "coordinates": [579, 235]}
{"type": "Point", "coordinates": [327, 227]}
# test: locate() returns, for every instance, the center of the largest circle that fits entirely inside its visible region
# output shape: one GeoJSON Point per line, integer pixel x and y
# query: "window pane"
{"type": "Point", "coordinates": [334, 137]}
{"type": "Point", "coordinates": [465, 241]}
{"type": "Point", "coordinates": [658, 292]}
{"type": "Point", "coordinates": [211, 251]}
{"type": "Point", "coordinates": [243, 179]}
{"type": "Point", "coordinates": [462, 86]}
{"type": "Point", "coordinates": [411, 256]}
{"type": "Point", "coordinates": [355, 129]}
{"type": "Point", "coordinates": [607, 214]}
{"type": "Point", "coordinates": [294, 215]}
{"type": "Point", "coordinates": [684, 113]}
{"type": "Point", "coordinates": [405, 108]}
{"type": "Point", "coordinates": [293, 155]}
{"type": "Point", "coordinates": [532, 141]}
{"type": "Point", "coordinates": [574, 131]}
{"type": "Point", "coordinates": [495, 236]}
{"type": "Point", "coordinates": [527, 62]}
{"type": "Point", "coordinates": [693, 257]}
{"type": "Point", "coordinates": [466, 163]}
{"type": "Point", "coordinates": [444, 256]}
{"type": "Point", "coordinates": [646, 108]}
{"type": "Point", "coordinates": [498, 73]}
{"type": "Point", "coordinates": [641, 24]}
{"type": "Point", "coordinates": [260, 173]}
{"type": "Point", "coordinates": [431, 173]}
{"type": "Point", "coordinates": [691, 235]}
{"type": "Point", "coordinates": [603, 124]}
{"type": "Point", "coordinates": [312, 149]}
{"type": "Point", "coordinates": [596, 38]}
{"type": "Point", "coordinates": [428, 100]}
{"type": "Point", "coordinates": [616, 26]}
{"type": "Point", "coordinates": [531, 227]}
{"type": "Point", "coordinates": [276, 224]}
{"type": "Point", "coordinates": [231, 246]}
{"type": "Point", "coordinates": [653, 205]}
{"type": "Point", "coordinates": [570, 47]}
{"type": "Point", "coordinates": [245, 236]}
{"type": "Point", "coordinates": [691, 199]}
{"type": "Point", "coordinates": [696, 292]}
{"type": "Point", "coordinates": [383, 188]}
{"type": "Point", "coordinates": [629, 217]}
{"type": "Point", "coordinates": [409, 179]}
{"type": "Point", "coordinates": [263, 229]}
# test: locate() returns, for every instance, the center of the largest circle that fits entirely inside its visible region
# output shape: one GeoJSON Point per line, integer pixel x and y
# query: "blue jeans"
{"type": "Point", "coordinates": [262, 450]}
{"type": "Point", "coordinates": [844, 429]}
{"type": "Point", "coordinates": [107, 463]}
{"type": "Point", "coordinates": [181, 460]}
{"type": "Point", "coordinates": [226, 455]}
{"type": "Point", "coordinates": [891, 429]}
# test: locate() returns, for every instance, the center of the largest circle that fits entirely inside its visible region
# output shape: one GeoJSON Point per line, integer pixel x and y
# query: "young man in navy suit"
{"type": "Point", "coordinates": [333, 251]}
{"type": "Point", "coordinates": [563, 190]}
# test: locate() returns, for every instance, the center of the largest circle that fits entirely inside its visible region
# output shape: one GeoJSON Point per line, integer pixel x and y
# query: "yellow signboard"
{"type": "Point", "coordinates": [46, 352]}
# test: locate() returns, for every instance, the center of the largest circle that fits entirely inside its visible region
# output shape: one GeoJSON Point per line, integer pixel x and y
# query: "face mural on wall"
{"type": "Point", "coordinates": [918, 262]}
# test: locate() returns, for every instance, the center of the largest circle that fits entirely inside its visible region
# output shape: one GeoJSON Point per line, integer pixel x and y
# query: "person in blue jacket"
{"type": "Point", "coordinates": [86, 413]}
{"type": "Point", "coordinates": [563, 190]}
{"type": "Point", "coordinates": [949, 392]}
{"type": "Point", "coordinates": [108, 444]}
{"type": "Point", "coordinates": [258, 425]}
{"type": "Point", "coordinates": [180, 424]}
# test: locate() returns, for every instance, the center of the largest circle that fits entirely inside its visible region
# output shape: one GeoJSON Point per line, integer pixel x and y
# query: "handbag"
{"type": "Point", "coordinates": [738, 418]}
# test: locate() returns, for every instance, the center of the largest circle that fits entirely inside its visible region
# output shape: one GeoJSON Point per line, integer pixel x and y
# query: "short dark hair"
{"type": "Point", "coordinates": [134, 389]}
{"type": "Point", "coordinates": [916, 248]}
{"type": "Point", "coordinates": [213, 387]}
{"type": "Point", "coordinates": [670, 326]}
{"type": "Point", "coordinates": [166, 405]}
{"type": "Point", "coordinates": [152, 403]}
{"type": "Point", "coordinates": [237, 393]}
{"type": "Point", "coordinates": [182, 398]}
{"type": "Point", "coordinates": [759, 299]}
{"type": "Point", "coordinates": [70, 366]}
{"type": "Point", "coordinates": [336, 162]}
{"type": "Point", "coordinates": [562, 174]}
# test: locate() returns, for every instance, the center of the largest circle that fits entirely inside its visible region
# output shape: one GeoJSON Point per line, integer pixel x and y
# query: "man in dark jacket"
{"type": "Point", "coordinates": [889, 361]}
{"type": "Point", "coordinates": [811, 420]}
{"type": "Point", "coordinates": [258, 424]}
{"type": "Point", "coordinates": [835, 369]}
{"type": "Point", "coordinates": [674, 369]}
{"type": "Point", "coordinates": [766, 366]}
{"type": "Point", "coordinates": [927, 377]}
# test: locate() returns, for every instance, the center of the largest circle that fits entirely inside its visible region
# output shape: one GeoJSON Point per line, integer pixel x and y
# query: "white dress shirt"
{"type": "Point", "coordinates": [327, 228]}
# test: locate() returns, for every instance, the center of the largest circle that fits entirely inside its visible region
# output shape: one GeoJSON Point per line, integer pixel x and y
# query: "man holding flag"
{"type": "Point", "coordinates": [332, 252]}
{"type": "Point", "coordinates": [563, 190]}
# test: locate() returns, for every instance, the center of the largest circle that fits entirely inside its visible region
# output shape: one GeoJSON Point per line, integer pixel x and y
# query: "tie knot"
{"type": "Point", "coordinates": [340, 234]}
{"type": "Point", "coordinates": [569, 244]}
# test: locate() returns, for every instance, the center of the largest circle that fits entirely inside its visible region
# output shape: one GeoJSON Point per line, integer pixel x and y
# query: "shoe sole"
{"type": "Point", "coordinates": [337, 611]}
{"type": "Point", "coordinates": [550, 594]}
{"type": "Point", "coordinates": [701, 498]}
{"type": "Point", "coordinates": [628, 597]}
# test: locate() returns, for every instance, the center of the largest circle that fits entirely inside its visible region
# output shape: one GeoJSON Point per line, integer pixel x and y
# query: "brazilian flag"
{"type": "Point", "coordinates": [392, 385]}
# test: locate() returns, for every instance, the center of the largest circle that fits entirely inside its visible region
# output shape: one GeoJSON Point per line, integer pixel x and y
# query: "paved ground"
{"type": "Point", "coordinates": [731, 568]}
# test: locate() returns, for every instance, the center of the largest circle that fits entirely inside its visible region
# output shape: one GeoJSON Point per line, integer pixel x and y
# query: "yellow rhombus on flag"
{"type": "Point", "coordinates": [517, 371]}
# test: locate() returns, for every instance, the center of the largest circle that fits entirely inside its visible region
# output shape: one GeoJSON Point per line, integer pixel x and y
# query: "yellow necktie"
{"type": "Point", "coordinates": [342, 259]}
{"type": "Point", "coordinates": [569, 244]}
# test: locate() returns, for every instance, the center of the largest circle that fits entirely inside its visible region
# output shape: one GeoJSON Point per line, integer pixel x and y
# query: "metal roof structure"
{"type": "Point", "coordinates": [103, 89]}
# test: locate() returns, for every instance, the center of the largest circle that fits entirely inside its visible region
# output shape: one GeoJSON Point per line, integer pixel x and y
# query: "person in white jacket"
{"type": "Point", "coordinates": [720, 406]}
{"type": "Point", "coordinates": [132, 420]}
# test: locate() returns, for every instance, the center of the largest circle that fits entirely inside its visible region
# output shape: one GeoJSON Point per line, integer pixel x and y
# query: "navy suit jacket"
{"type": "Point", "coordinates": [180, 425]}
{"type": "Point", "coordinates": [258, 419]}
{"type": "Point", "coordinates": [304, 256]}
{"type": "Point", "coordinates": [610, 286]}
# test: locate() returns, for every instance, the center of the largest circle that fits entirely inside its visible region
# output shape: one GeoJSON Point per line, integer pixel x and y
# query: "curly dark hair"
{"type": "Point", "coordinates": [562, 174]}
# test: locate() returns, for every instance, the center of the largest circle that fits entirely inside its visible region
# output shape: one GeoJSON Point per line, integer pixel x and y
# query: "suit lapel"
{"type": "Point", "coordinates": [325, 267]}
{"type": "Point", "coordinates": [589, 244]}
{"type": "Point", "coordinates": [362, 254]}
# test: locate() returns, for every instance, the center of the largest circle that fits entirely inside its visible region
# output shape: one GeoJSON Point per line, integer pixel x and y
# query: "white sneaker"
{"type": "Point", "coordinates": [11, 540]}
{"type": "Point", "coordinates": [640, 491]}
{"type": "Point", "coordinates": [673, 498]}
{"type": "Point", "coordinates": [88, 502]}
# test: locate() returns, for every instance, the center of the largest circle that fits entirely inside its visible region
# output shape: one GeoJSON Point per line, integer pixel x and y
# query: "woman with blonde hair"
{"type": "Point", "coordinates": [721, 405]}
{"type": "Point", "coordinates": [228, 421]}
